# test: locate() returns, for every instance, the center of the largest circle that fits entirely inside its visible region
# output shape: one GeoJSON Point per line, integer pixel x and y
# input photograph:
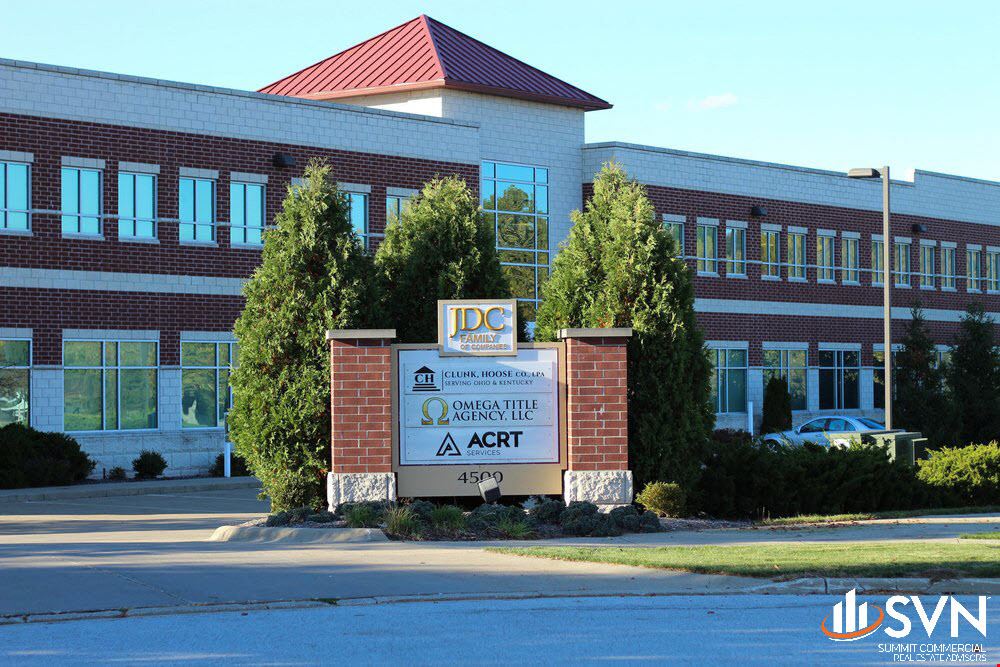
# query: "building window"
{"type": "Point", "coordinates": [850, 260]}
{"type": "Point", "coordinates": [515, 200]}
{"type": "Point", "coordinates": [675, 228]}
{"type": "Point", "coordinates": [246, 213]}
{"type": "Point", "coordinates": [901, 265]}
{"type": "Point", "coordinates": [109, 385]}
{"type": "Point", "coordinates": [206, 395]}
{"type": "Point", "coordinates": [729, 379]}
{"type": "Point", "coordinates": [736, 251]}
{"type": "Point", "coordinates": [15, 189]}
{"type": "Point", "coordinates": [81, 201]}
{"type": "Point", "coordinates": [948, 273]}
{"type": "Point", "coordinates": [839, 372]}
{"type": "Point", "coordinates": [927, 267]}
{"type": "Point", "coordinates": [707, 250]}
{"type": "Point", "coordinates": [394, 207]}
{"type": "Point", "coordinates": [878, 378]}
{"type": "Point", "coordinates": [197, 209]}
{"type": "Point", "coordinates": [790, 365]}
{"type": "Point", "coordinates": [878, 270]}
{"type": "Point", "coordinates": [357, 205]}
{"type": "Point", "coordinates": [824, 258]}
{"type": "Point", "coordinates": [796, 256]}
{"type": "Point", "coordinates": [993, 270]}
{"type": "Point", "coordinates": [15, 381]}
{"type": "Point", "coordinates": [973, 270]}
{"type": "Point", "coordinates": [136, 206]}
{"type": "Point", "coordinates": [942, 357]}
{"type": "Point", "coordinates": [770, 254]}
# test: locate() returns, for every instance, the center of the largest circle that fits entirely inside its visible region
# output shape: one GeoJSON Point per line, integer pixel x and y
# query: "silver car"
{"type": "Point", "coordinates": [816, 430]}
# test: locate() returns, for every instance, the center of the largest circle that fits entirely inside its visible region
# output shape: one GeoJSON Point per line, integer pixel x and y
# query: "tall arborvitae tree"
{"type": "Point", "coordinates": [439, 249]}
{"type": "Point", "coordinates": [777, 411]}
{"type": "Point", "coordinates": [619, 268]}
{"type": "Point", "coordinates": [919, 402]}
{"type": "Point", "coordinates": [974, 379]}
{"type": "Point", "coordinates": [314, 276]}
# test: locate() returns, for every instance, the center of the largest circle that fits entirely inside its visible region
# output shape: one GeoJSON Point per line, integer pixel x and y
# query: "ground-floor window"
{"type": "Point", "coordinates": [790, 365]}
{"type": "Point", "coordinates": [206, 395]}
{"type": "Point", "coordinates": [878, 378]}
{"type": "Point", "coordinates": [109, 385]}
{"type": "Point", "coordinates": [839, 379]}
{"type": "Point", "coordinates": [15, 381]}
{"type": "Point", "coordinates": [729, 379]}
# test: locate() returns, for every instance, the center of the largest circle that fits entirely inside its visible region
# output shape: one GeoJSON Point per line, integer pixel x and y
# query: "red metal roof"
{"type": "Point", "coordinates": [424, 53]}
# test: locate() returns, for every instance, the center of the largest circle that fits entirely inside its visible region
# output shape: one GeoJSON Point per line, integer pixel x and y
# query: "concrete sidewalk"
{"type": "Point", "coordinates": [129, 488]}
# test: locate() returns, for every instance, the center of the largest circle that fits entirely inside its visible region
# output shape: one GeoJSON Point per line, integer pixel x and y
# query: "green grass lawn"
{"type": "Point", "coordinates": [897, 559]}
{"type": "Point", "coordinates": [995, 535]}
{"type": "Point", "coordinates": [867, 516]}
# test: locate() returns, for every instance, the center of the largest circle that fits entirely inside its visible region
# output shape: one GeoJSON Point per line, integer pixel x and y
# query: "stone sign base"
{"type": "Point", "coordinates": [605, 488]}
{"type": "Point", "coordinates": [353, 487]}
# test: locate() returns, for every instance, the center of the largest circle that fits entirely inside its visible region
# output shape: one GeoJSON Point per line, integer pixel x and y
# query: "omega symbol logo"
{"type": "Point", "coordinates": [442, 418]}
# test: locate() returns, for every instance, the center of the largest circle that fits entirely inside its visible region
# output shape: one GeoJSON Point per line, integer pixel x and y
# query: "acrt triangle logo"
{"type": "Point", "coordinates": [448, 447]}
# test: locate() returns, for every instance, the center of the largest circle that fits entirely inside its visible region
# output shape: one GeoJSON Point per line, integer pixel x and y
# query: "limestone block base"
{"type": "Point", "coordinates": [605, 488]}
{"type": "Point", "coordinates": [353, 487]}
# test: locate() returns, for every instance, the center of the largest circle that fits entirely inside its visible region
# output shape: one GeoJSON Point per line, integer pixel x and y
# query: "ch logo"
{"type": "Point", "coordinates": [470, 318]}
{"type": "Point", "coordinates": [442, 417]}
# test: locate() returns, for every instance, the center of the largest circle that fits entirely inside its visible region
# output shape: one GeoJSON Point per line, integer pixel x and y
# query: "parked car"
{"type": "Point", "coordinates": [816, 430]}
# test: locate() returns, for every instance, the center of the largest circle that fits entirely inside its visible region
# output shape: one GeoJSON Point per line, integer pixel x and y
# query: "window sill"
{"type": "Point", "coordinates": [826, 281]}
{"type": "Point", "coordinates": [773, 279]}
{"type": "Point", "coordinates": [974, 291]}
{"type": "Point", "coordinates": [708, 274]}
{"type": "Point", "coordinates": [949, 289]}
{"type": "Point", "coordinates": [798, 280]}
{"type": "Point", "coordinates": [928, 288]}
{"type": "Point", "coordinates": [741, 276]}
{"type": "Point", "coordinates": [898, 286]}
{"type": "Point", "coordinates": [247, 246]}
{"type": "Point", "coordinates": [200, 244]}
{"type": "Point", "coordinates": [856, 283]}
{"type": "Point", "coordinates": [138, 239]}
{"type": "Point", "coordinates": [16, 232]}
{"type": "Point", "coordinates": [85, 237]}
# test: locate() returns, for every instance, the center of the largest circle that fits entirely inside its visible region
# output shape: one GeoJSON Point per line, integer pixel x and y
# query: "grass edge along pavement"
{"type": "Point", "coordinates": [807, 519]}
{"type": "Point", "coordinates": [995, 535]}
{"type": "Point", "coordinates": [843, 559]}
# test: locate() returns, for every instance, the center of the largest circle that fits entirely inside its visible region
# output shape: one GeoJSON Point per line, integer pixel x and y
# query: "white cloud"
{"type": "Point", "coordinates": [714, 102]}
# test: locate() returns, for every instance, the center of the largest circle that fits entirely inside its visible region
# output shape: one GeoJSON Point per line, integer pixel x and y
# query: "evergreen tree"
{"type": "Point", "coordinates": [619, 268]}
{"type": "Point", "coordinates": [974, 379]}
{"type": "Point", "coordinates": [919, 402]}
{"type": "Point", "coordinates": [777, 409]}
{"type": "Point", "coordinates": [439, 249]}
{"type": "Point", "coordinates": [313, 277]}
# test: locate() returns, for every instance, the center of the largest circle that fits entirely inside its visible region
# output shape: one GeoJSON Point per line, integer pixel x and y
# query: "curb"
{"type": "Point", "coordinates": [264, 534]}
{"type": "Point", "coordinates": [161, 611]}
{"type": "Point", "coordinates": [920, 586]}
{"type": "Point", "coordinates": [115, 489]}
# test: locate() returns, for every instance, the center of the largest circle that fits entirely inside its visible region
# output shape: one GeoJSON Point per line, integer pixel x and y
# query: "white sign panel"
{"type": "Point", "coordinates": [477, 328]}
{"type": "Point", "coordinates": [470, 411]}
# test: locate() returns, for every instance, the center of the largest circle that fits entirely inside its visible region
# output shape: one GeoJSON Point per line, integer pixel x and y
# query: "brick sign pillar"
{"type": "Point", "coordinates": [361, 407]}
{"type": "Point", "coordinates": [597, 417]}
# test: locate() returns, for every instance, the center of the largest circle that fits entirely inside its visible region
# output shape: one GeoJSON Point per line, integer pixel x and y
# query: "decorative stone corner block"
{"type": "Point", "coordinates": [605, 488]}
{"type": "Point", "coordinates": [353, 487]}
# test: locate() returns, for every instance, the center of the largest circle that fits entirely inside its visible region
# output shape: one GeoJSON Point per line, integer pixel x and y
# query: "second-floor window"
{"type": "Point", "coordinates": [947, 267]}
{"type": "Point", "coordinates": [824, 258]}
{"type": "Point", "coordinates": [358, 206]}
{"type": "Point", "coordinates": [927, 266]}
{"type": "Point", "coordinates": [246, 213]}
{"type": "Point", "coordinates": [707, 249]}
{"type": "Point", "coordinates": [878, 258]}
{"type": "Point", "coordinates": [197, 209]}
{"type": "Point", "coordinates": [736, 251]}
{"type": "Point", "coordinates": [394, 207]}
{"type": "Point", "coordinates": [993, 270]}
{"type": "Point", "coordinates": [901, 268]}
{"type": "Point", "coordinates": [136, 205]}
{"type": "Point", "coordinates": [14, 196]}
{"type": "Point", "coordinates": [770, 254]}
{"type": "Point", "coordinates": [675, 228]}
{"type": "Point", "coordinates": [81, 201]}
{"type": "Point", "coordinates": [796, 256]}
{"type": "Point", "coordinates": [973, 270]}
{"type": "Point", "coordinates": [849, 260]}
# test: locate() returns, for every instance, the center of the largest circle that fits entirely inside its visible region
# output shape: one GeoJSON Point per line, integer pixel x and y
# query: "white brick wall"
{"type": "Point", "coordinates": [62, 92]}
{"type": "Point", "coordinates": [929, 194]}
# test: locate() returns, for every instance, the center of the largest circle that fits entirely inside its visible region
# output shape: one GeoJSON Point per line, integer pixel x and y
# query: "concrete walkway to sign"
{"type": "Point", "coordinates": [128, 552]}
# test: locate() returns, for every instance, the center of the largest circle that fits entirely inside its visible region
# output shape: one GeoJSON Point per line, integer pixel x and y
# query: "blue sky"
{"type": "Point", "coordinates": [830, 85]}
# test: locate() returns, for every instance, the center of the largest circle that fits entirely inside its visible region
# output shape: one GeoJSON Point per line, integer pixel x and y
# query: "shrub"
{"type": "Point", "coordinates": [401, 521]}
{"type": "Point", "coordinates": [149, 465]}
{"type": "Point", "coordinates": [649, 523]}
{"type": "Point", "coordinates": [422, 509]}
{"type": "Point", "coordinates": [579, 518]}
{"type": "Point", "coordinates": [314, 276]}
{"type": "Point", "coordinates": [974, 379]}
{"type": "Point", "coordinates": [448, 517]}
{"type": "Point", "coordinates": [487, 518]}
{"type": "Point", "coordinates": [619, 268]}
{"type": "Point", "coordinates": [323, 516]}
{"type": "Point", "coordinates": [666, 499]}
{"type": "Point", "coordinates": [289, 517]}
{"type": "Point", "coordinates": [515, 529]}
{"type": "Point", "coordinates": [627, 518]}
{"type": "Point", "coordinates": [777, 411]}
{"type": "Point", "coordinates": [967, 475]}
{"type": "Point", "coordinates": [117, 474]}
{"type": "Point", "coordinates": [36, 458]}
{"type": "Point", "coordinates": [237, 466]}
{"type": "Point", "coordinates": [547, 511]}
{"type": "Point", "coordinates": [439, 249]}
{"type": "Point", "coordinates": [605, 526]}
{"type": "Point", "coordinates": [363, 516]}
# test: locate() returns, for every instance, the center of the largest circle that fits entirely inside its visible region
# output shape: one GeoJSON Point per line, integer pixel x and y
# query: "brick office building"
{"type": "Point", "coordinates": [131, 212]}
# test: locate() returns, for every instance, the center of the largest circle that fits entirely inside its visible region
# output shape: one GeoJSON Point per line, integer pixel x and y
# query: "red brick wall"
{"type": "Point", "coordinates": [361, 404]}
{"type": "Point", "coordinates": [597, 405]}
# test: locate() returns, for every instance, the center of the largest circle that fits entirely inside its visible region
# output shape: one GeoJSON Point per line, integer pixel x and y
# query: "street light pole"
{"type": "Point", "coordinates": [886, 298]}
